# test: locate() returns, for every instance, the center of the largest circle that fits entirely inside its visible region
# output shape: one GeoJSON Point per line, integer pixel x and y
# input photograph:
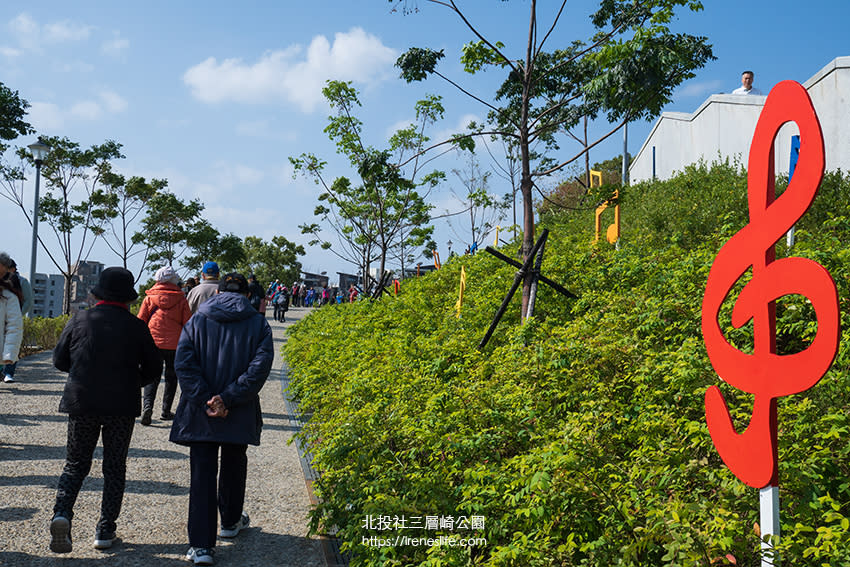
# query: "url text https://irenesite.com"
{"type": "Point", "coordinates": [403, 540]}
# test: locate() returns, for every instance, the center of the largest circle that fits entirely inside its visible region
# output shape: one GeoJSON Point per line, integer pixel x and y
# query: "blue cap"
{"type": "Point", "coordinates": [210, 268]}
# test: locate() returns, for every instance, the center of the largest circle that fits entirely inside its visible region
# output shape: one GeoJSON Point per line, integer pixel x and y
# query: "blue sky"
{"type": "Point", "coordinates": [214, 96]}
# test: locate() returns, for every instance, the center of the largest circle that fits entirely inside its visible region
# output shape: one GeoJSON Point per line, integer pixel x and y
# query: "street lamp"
{"type": "Point", "coordinates": [449, 243]}
{"type": "Point", "coordinates": [39, 152]}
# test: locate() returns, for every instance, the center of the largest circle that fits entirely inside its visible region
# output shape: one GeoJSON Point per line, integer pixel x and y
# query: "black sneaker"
{"type": "Point", "coordinates": [146, 417]}
{"type": "Point", "coordinates": [166, 416]}
{"type": "Point", "coordinates": [103, 540]}
{"type": "Point", "coordinates": [60, 535]}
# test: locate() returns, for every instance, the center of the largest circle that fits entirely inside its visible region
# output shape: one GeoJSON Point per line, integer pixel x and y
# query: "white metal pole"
{"type": "Point", "coordinates": [35, 224]}
{"type": "Point", "coordinates": [769, 523]}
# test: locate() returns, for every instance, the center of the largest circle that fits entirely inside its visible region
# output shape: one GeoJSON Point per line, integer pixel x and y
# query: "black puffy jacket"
{"type": "Point", "coordinates": [109, 355]}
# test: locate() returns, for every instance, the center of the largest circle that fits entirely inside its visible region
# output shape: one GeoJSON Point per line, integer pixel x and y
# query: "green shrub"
{"type": "Point", "coordinates": [580, 436]}
{"type": "Point", "coordinates": [41, 333]}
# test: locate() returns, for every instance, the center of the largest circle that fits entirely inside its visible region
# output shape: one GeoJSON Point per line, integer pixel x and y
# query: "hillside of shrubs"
{"type": "Point", "coordinates": [580, 436]}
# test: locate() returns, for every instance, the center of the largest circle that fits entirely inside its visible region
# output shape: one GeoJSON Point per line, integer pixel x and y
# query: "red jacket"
{"type": "Point", "coordinates": [165, 310]}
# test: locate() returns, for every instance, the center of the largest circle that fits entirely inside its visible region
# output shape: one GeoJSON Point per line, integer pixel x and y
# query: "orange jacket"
{"type": "Point", "coordinates": [165, 310]}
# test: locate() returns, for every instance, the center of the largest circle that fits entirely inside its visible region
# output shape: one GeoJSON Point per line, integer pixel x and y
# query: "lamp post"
{"type": "Point", "coordinates": [449, 244]}
{"type": "Point", "coordinates": [39, 151]}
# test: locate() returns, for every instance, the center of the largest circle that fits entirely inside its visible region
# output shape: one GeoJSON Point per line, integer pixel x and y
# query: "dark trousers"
{"type": "Point", "coordinates": [170, 384]}
{"type": "Point", "coordinates": [83, 432]}
{"type": "Point", "coordinates": [204, 501]}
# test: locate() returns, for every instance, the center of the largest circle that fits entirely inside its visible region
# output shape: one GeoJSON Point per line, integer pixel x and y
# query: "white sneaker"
{"type": "Point", "coordinates": [200, 555]}
{"type": "Point", "coordinates": [8, 379]}
{"type": "Point", "coordinates": [233, 531]}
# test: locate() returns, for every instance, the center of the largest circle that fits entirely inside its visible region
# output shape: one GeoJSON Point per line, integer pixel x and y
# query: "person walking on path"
{"type": "Point", "coordinates": [24, 294]}
{"type": "Point", "coordinates": [109, 355]}
{"type": "Point", "coordinates": [165, 310]}
{"type": "Point", "coordinates": [255, 292]}
{"type": "Point", "coordinates": [206, 288]}
{"type": "Point", "coordinates": [223, 359]}
{"type": "Point", "coordinates": [11, 320]}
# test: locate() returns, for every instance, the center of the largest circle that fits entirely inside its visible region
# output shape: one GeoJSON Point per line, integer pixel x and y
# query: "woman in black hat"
{"type": "Point", "coordinates": [109, 355]}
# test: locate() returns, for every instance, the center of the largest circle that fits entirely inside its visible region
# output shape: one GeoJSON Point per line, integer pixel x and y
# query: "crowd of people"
{"type": "Point", "coordinates": [210, 336]}
{"type": "Point", "coordinates": [301, 295]}
{"type": "Point", "coordinates": [215, 343]}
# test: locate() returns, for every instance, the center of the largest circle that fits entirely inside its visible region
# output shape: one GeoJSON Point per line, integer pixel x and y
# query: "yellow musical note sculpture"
{"type": "Point", "coordinates": [462, 288]}
{"type": "Point", "coordinates": [613, 232]}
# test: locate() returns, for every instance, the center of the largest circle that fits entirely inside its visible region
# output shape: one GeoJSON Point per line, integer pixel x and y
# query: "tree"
{"type": "Point", "coordinates": [275, 260]}
{"type": "Point", "coordinates": [482, 209]}
{"type": "Point", "coordinates": [13, 109]}
{"type": "Point", "coordinates": [72, 178]}
{"type": "Point", "coordinates": [119, 205]}
{"type": "Point", "coordinates": [204, 242]}
{"type": "Point", "coordinates": [626, 69]}
{"type": "Point", "coordinates": [385, 209]}
{"type": "Point", "coordinates": [12, 124]}
{"type": "Point", "coordinates": [578, 195]}
{"type": "Point", "coordinates": [167, 226]}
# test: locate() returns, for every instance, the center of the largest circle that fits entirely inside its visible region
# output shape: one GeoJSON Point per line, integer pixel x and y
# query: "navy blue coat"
{"type": "Point", "coordinates": [225, 349]}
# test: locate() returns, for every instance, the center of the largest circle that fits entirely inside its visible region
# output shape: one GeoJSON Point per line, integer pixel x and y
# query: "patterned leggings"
{"type": "Point", "coordinates": [83, 433]}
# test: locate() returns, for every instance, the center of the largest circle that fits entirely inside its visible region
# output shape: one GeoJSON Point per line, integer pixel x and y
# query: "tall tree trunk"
{"type": "Point", "coordinates": [66, 304]}
{"type": "Point", "coordinates": [526, 183]}
{"type": "Point", "coordinates": [586, 157]}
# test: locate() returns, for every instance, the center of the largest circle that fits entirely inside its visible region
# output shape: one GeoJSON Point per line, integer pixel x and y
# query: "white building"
{"type": "Point", "coordinates": [48, 293]}
{"type": "Point", "coordinates": [723, 127]}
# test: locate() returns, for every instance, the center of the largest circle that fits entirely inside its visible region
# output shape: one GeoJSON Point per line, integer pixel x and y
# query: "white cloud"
{"type": "Point", "coordinates": [700, 88]}
{"type": "Point", "coordinates": [259, 221]}
{"type": "Point", "coordinates": [31, 35]}
{"type": "Point", "coordinates": [26, 31]}
{"type": "Point", "coordinates": [116, 46]}
{"type": "Point", "coordinates": [49, 116]}
{"type": "Point", "coordinates": [108, 103]}
{"type": "Point", "coordinates": [263, 129]}
{"type": "Point", "coordinates": [10, 52]}
{"type": "Point", "coordinates": [45, 116]}
{"type": "Point", "coordinates": [393, 128]}
{"type": "Point", "coordinates": [76, 67]}
{"type": "Point", "coordinates": [60, 32]}
{"type": "Point", "coordinates": [226, 181]}
{"type": "Point", "coordinates": [254, 128]}
{"type": "Point", "coordinates": [236, 175]}
{"type": "Point", "coordinates": [459, 128]}
{"type": "Point", "coordinates": [113, 102]}
{"type": "Point", "coordinates": [293, 75]}
{"type": "Point", "coordinates": [86, 110]}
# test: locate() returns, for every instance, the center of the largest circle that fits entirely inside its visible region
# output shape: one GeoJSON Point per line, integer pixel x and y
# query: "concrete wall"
{"type": "Point", "coordinates": [723, 126]}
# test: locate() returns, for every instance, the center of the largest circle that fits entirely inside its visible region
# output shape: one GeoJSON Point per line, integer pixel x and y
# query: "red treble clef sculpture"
{"type": "Point", "coordinates": [752, 455]}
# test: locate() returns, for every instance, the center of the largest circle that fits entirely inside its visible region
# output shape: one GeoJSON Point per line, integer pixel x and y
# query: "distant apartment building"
{"type": "Point", "coordinates": [47, 291]}
{"type": "Point", "coordinates": [86, 276]}
{"type": "Point", "coordinates": [315, 281]}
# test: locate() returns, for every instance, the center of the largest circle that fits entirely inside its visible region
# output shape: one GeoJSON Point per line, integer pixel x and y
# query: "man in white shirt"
{"type": "Point", "coordinates": [747, 87]}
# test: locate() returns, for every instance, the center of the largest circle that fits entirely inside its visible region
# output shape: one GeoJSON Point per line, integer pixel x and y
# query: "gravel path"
{"type": "Point", "coordinates": [152, 526]}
